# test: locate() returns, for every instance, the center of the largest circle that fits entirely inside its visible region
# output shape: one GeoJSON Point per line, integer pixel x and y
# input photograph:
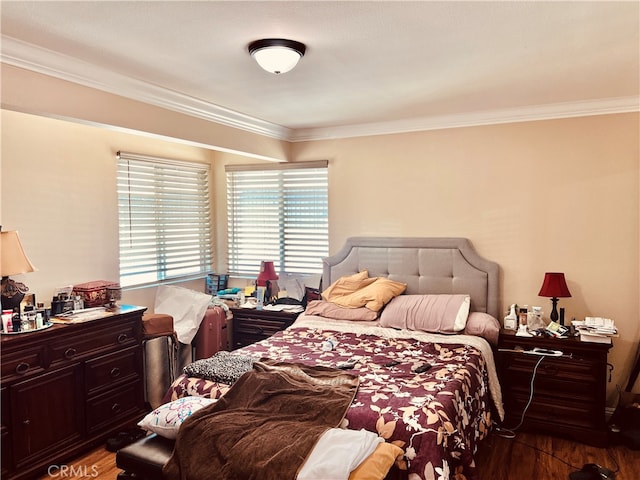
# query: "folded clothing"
{"type": "Point", "coordinates": [224, 367]}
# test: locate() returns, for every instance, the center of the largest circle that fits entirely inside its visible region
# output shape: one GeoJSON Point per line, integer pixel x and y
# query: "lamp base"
{"type": "Point", "coordinates": [12, 293]}
{"type": "Point", "coordinates": [554, 310]}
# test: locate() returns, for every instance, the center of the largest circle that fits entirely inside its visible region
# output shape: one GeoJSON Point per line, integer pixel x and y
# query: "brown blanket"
{"type": "Point", "coordinates": [264, 426]}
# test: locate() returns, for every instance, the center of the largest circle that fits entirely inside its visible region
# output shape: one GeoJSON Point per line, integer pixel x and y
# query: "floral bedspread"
{"type": "Point", "coordinates": [437, 416]}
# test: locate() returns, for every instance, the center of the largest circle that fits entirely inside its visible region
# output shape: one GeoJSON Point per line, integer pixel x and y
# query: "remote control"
{"type": "Point", "coordinates": [392, 363]}
{"type": "Point", "coordinates": [422, 368]}
{"type": "Point", "coordinates": [346, 365]}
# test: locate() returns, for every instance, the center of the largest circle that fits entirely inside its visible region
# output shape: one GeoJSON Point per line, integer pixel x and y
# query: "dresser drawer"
{"type": "Point", "coordinates": [109, 370]}
{"type": "Point", "coordinates": [72, 347]}
{"type": "Point", "coordinates": [562, 412]}
{"type": "Point", "coordinates": [555, 371]}
{"type": "Point", "coordinates": [250, 326]}
{"type": "Point", "coordinates": [256, 327]}
{"type": "Point", "coordinates": [114, 406]}
{"type": "Point", "coordinates": [16, 364]}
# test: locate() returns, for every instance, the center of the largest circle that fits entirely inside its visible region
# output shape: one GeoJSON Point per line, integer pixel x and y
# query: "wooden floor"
{"type": "Point", "coordinates": [527, 456]}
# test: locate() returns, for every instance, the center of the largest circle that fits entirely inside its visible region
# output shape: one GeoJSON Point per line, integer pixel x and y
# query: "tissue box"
{"type": "Point", "coordinates": [94, 294]}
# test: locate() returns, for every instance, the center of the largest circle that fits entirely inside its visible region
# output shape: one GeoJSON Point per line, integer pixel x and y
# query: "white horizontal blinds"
{"type": "Point", "coordinates": [164, 219]}
{"type": "Point", "coordinates": [305, 220]}
{"type": "Point", "coordinates": [278, 213]}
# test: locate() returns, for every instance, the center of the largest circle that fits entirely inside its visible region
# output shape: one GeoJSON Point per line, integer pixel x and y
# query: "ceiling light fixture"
{"type": "Point", "coordinates": [277, 55]}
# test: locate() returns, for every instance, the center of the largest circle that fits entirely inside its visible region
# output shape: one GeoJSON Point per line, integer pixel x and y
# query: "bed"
{"type": "Point", "coordinates": [432, 395]}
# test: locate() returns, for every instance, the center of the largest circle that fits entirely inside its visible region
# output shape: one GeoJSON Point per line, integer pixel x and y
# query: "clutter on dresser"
{"type": "Point", "coordinates": [215, 282]}
{"type": "Point", "coordinates": [557, 330]}
{"type": "Point", "coordinates": [595, 329]}
{"type": "Point", "coordinates": [30, 319]}
{"type": "Point", "coordinates": [511, 320]}
{"type": "Point", "coordinates": [94, 293]}
{"type": "Point", "coordinates": [69, 304]}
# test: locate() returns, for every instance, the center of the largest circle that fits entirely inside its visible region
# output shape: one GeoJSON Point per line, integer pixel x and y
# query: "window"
{"type": "Point", "coordinates": [164, 219]}
{"type": "Point", "coordinates": [278, 212]}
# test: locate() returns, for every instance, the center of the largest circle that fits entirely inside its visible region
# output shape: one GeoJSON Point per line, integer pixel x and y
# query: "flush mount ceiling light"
{"type": "Point", "coordinates": [276, 55]}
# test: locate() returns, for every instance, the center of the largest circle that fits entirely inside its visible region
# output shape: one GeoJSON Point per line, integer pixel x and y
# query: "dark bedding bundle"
{"type": "Point", "coordinates": [225, 367]}
{"type": "Point", "coordinates": [265, 425]}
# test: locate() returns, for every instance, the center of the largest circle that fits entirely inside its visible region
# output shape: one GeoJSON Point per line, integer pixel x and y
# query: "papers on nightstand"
{"type": "Point", "coordinates": [596, 329]}
{"type": "Point", "coordinates": [79, 316]}
{"type": "Point", "coordinates": [284, 308]}
{"type": "Point", "coordinates": [557, 330]}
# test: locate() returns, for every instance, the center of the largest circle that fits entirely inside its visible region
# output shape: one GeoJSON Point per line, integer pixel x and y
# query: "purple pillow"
{"type": "Point", "coordinates": [427, 313]}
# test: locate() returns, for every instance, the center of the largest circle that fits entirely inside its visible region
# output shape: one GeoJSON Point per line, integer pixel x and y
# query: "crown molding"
{"type": "Point", "coordinates": [41, 60]}
{"type": "Point", "coordinates": [47, 62]}
{"type": "Point", "coordinates": [530, 113]}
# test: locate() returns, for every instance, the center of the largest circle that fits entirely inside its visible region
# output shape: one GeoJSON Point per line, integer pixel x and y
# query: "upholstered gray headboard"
{"type": "Point", "coordinates": [426, 265]}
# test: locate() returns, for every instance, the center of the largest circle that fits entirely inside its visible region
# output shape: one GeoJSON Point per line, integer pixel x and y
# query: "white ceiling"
{"type": "Point", "coordinates": [371, 66]}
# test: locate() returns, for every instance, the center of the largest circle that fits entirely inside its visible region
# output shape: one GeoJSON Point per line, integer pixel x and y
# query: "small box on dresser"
{"type": "Point", "coordinates": [93, 294]}
{"type": "Point", "coordinates": [569, 391]}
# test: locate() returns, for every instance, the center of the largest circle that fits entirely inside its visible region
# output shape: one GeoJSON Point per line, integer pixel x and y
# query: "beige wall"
{"type": "Point", "coordinates": [58, 190]}
{"type": "Point", "coordinates": [534, 197]}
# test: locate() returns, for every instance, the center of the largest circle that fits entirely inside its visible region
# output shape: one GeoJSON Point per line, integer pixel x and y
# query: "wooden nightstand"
{"type": "Point", "coordinates": [250, 325]}
{"type": "Point", "coordinates": [569, 392]}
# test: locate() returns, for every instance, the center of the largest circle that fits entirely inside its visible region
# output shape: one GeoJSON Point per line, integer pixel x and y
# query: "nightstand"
{"type": "Point", "coordinates": [569, 391]}
{"type": "Point", "coordinates": [250, 325]}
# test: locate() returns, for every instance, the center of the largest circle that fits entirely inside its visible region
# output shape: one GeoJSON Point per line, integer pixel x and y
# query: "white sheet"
{"type": "Point", "coordinates": [337, 453]}
{"type": "Point", "coordinates": [187, 307]}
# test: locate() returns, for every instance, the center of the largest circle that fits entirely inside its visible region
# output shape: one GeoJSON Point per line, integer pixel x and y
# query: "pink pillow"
{"type": "Point", "coordinates": [331, 310]}
{"type": "Point", "coordinates": [427, 313]}
{"type": "Point", "coordinates": [483, 325]}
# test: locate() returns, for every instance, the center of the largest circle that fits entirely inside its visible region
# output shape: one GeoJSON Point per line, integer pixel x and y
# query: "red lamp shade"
{"type": "Point", "coordinates": [554, 285]}
{"type": "Point", "coordinates": [267, 273]}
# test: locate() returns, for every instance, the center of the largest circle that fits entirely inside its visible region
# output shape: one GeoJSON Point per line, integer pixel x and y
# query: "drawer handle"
{"type": "Point", "coordinates": [115, 372]}
{"type": "Point", "coordinates": [69, 353]}
{"type": "Point", "coordinates": [258, 331]}
{"type": "Point", "coordinates": [115, 408]}
{"type": "Point", "coordinates": [22, 368]}
{"type": "Point", "coordinates": [123, 337]}
{"type": "Point", "coordinates": [26, 422]}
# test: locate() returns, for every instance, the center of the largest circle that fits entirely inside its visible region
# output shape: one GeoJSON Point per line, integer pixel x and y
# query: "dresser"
{"type": "Point", "coordinates": [66, 388]}
{"type": "Point", "coordinates": [569, 391]}
{"type": "Point", "coordinates": [250, 325]}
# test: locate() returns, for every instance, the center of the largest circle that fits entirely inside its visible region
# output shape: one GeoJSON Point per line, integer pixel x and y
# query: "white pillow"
{"type": "Point", "coordinates": [337, 453]}
{"type": "Point", "coordinates": [166, 419]}
{"type": "Point", "coordinates": [427, 313]}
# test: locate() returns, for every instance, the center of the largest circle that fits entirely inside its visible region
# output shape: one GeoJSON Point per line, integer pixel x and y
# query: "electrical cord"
{"type": "Point", "coordinates": [551, 454]}
{"type": "Point", "coordinates": [510, 433]}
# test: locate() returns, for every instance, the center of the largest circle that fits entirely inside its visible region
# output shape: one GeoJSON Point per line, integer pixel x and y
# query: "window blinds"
{"type": "Point", "coordinates": [164, 218]}
{"type": "Point", "coordinates": [279, 213]}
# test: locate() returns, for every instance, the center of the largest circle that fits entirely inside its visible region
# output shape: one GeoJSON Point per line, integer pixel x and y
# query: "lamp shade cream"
{"type": "Point", "coordinates": [13, 259]}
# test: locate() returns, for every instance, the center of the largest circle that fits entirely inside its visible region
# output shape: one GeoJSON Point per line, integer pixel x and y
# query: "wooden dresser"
{"type": "Point", "coordinates": [67, 388]}
{"type": "Point", "coordinates": [569, 391]}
